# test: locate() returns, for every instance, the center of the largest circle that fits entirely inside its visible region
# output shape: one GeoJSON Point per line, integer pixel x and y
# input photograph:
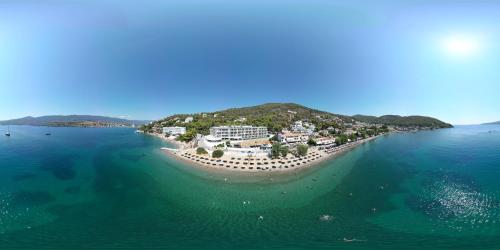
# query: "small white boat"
{"type": "Point", "coordinates": [8, 131]}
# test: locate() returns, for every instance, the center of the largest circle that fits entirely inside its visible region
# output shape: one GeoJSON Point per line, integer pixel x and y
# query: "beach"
{"type": "Point", "coordinates": [257, 164]}
{"type": "Point", "coordinates": [175, 143]}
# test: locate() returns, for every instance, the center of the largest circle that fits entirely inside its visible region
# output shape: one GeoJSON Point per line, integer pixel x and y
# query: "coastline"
{"type": "Point", "coordinates": [176, 144]}
{"type": "Point", "coordinates": [254, 165]}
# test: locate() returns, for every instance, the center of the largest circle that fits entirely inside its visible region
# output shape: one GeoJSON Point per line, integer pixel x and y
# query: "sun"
{"type": "Point", "coordinates": [461, 45]}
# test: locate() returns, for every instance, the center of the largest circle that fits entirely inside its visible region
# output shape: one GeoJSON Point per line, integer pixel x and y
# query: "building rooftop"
{"type": "Point", "coordinates": [212, 138]}
{"type": "Point", "coordinates": [239, 126]}
{"type": "Point", "coordinates": [253, 143]}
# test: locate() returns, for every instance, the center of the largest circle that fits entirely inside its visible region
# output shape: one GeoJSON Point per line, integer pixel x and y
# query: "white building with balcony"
{"type": "Point", "coordinates": [174, 130]}
{"type": "Point", "coordinates": [236, 133]}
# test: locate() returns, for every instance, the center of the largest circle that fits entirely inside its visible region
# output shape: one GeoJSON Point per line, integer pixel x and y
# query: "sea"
{"type": "Point", "coordinates": [112, 188]}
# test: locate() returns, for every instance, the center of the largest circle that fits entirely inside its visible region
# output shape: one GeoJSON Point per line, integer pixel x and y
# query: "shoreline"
{"type": "Point", "coordinates": [177, 144]}
{"type": "Point", "coordinates": [258, 165]}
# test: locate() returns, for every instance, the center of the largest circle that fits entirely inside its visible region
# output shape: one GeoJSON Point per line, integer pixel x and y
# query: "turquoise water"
{"type": "Point", "coordinates": [112, 188]}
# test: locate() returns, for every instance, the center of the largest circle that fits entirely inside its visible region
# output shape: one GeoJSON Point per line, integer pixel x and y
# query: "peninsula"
{"type": "Point", "coordinates": [274, 136]}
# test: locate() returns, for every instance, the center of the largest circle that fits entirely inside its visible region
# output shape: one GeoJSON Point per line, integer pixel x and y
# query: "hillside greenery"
{"type": "Point", "coordinates": [403, 121]}
{"type": "Point", "coordinates": [274, 116]}
{"type": "Point", "coordinates": [277, 116]}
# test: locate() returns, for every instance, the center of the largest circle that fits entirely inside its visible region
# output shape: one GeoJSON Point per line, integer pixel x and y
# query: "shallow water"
{"type": "Point", "coordinates": [112, 188]}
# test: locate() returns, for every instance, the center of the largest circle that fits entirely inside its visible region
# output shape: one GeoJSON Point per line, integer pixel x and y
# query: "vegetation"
{"type": "Point", "coordinates": [276, 116]}
{"type": "Point", "coordinates": [311, 142]}
{"type": "Point", "coordinates": [284, 151]}
{"type": "Point", "coordinates": [274, 138]}
{"type": "Point", "coordinates": [341, 139]}
{"type": "Point", "coordinates": [201, 151]}
{"type": "Point", "coordinates": [353, 137]}
{"type": "Point", "coordinates": [276, 150]}
{"type": "Point", "coordinates": [302, 149]}
{"type": "Point", "coordinates": [188, 136]}
{"type": "Point", "coordinates": [404, 121]}
{"type": "Point", "coordinates": [217, 153]}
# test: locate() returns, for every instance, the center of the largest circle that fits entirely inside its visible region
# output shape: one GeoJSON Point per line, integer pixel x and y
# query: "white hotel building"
{"type": "Point", "coordinates": [236, 133]}
{"type": "Point", "coordinates": [174, 130]}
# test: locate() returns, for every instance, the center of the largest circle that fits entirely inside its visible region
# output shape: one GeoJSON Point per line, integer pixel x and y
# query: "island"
{"type": "Point", "coordinates": [274, 136]}
{"type": "Point", "coordinates": [74, 121]}
{"type": "Point", "coordinates": [492, 123]}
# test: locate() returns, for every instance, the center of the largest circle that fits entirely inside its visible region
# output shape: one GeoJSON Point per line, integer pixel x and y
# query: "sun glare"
{"type": "Point", "coordinates": [461, 46]}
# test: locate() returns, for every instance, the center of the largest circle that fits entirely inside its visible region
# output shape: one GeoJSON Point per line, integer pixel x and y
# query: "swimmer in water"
{"type": "Point", "coordinates": [352, 240]}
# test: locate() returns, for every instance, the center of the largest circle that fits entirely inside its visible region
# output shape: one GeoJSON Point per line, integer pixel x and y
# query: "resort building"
{"type": "Point", "coordinates": [325, 142]}
{"type": "Point", "coordinates": [350, 131]}
{"type": "Point", "coordinates": [303, 127]}
{"type": "Point", "coordinates": [236, 133]}
{"type": "Point", "coordinates": [292, 138]}
{"type": "Point", "coordinates": [174, 130]}
{"type": "Point", "coordinates": [188, 119]}
{"type": "Point", "coordinates": [209, 142]}
{"type": "Point", "coordinates": [241, 119]}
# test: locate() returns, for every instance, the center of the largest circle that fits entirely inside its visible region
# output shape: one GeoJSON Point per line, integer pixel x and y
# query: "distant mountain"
{"type": "Point", "coordinates": [73, 120]}
{"type": "Point", "coordinates": [492, 123]}
{"type": "Point", "coordinates": [404, 121]}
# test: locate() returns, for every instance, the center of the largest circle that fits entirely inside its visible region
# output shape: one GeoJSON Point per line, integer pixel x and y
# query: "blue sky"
{"type": "Point", "coordinates": [150, 59]}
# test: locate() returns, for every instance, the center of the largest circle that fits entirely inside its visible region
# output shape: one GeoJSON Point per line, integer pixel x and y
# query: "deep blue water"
{"type": "Point", "coordinates": [112, 188]}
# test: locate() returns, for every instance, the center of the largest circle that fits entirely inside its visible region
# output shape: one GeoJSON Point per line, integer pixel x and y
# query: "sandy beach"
{"type": "Point", "coordinates": [255, 164]}
{"type": "Point", "coordinates": [177, 144]}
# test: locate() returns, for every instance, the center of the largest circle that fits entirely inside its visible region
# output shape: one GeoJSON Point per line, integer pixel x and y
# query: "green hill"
{"type": "Point", "coordinates": [277, 116]}
{"type": "Point", "coordinates": [404, 121]}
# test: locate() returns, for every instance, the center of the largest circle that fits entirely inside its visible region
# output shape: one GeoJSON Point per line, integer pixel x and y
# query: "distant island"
{"type": "Point", "coordinates": [274, 136]}
{"type": "Point", "coordinates": [492, 123]}
{"type": "Point", "coordinates": [74, 121]}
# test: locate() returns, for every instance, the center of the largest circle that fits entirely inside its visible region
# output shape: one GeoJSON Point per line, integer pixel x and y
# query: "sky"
{"type": "Point", "coordinates": [150, 59]}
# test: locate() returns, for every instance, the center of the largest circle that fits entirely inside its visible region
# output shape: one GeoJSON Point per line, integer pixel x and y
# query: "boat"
{"type": "Point", "coordinates": [8, 131]}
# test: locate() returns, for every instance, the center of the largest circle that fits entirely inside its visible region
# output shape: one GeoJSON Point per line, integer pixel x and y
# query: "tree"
{"type": "Point", "coordinates": [276, 150]}
{"type": "Point", "coordinates": [341, 139]}
{"type": "Point", "coordinates": [302, 150]}
{"type": "Point", "coordinates": [217, 153]}
{"type": "Point", "coordinates": [188, 136]}
{"type": "Point", "coordinates": [353, 137]}
{"type": "Point", "coordinates": [364, 134]}
{"type": "Point", "coordinates": [311, 142]}
{"type": "Point", "coordinates": [274, 138]}
{"type": "Point", "coordinates": [201, 151]}
{"type": "Point", "coordinates": [284, 151]}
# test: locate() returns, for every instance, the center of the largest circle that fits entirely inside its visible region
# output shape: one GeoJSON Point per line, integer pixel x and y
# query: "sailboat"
{"type": "Point", "coordinates": [8, 132]}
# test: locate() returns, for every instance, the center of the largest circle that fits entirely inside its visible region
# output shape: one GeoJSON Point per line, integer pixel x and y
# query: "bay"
{"type": "Point", "coordinates": [83, 188]}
